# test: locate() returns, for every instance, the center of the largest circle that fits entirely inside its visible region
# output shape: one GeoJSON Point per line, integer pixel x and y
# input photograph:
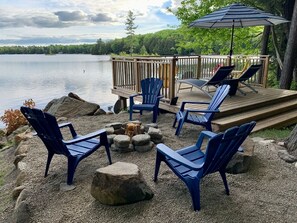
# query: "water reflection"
{"type": "Point", "coordinates": [43, 78]}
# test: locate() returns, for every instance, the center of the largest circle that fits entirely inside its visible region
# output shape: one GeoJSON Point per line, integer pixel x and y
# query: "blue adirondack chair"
{"type": "Point", "coordinates": [75, 150]}
{"type": "Point", "coordinates": [150, 92]}
{"type": "Point", "coordinates": [188, 115]}
{"type": "Point", "coordinates": [190, 164]}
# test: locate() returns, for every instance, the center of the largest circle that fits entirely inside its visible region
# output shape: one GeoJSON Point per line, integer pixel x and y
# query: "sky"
{"type": "Point", "coordinates": [44, 22]}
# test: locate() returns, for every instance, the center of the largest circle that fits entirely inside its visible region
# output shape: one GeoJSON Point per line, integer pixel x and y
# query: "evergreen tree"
{"type": "Point", "coordinates": [130, 29]}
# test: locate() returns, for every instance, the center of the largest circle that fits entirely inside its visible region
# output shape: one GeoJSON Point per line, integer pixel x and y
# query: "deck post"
{"type": "Point", "coordinates": [265, 71]}
{"type": "Point", "coordinates": [172, 78]}
{"type": "Point", "coordinates": [136, 75]}
{"type": "Point", "coordinates": [114, 70]}
{"type": "Point", "coordinates": [198, 75]}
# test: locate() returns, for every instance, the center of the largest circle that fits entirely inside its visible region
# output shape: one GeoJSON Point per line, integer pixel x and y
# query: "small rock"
{"type": "Point", "coordinates": [22, 213]}
{"type": "Point", "coordinates": [22, 166]}
{"type": "Point", "coordinates": [19, 158]}
{"type": "Point", "coordinates": [284, 155]}
{"type": "Point", "coordinates": [155, 133]}
{"type": "Point", "coordinates": [281, 144]}
{"type": "Point", "coordinates": [22, 196]}
{"type": "Point", "coordinates": [110, 138]}
{"type": "Point", "coordinates": [16, 191]}
{"type": "Point", "coordinates": [147, 126]}
{"type": "Point", "coordinates": [20, 178]}
{"type": "Point", "coordinates": [62, 119]}
{"type": "Point", "coordinates": [144, 148]}
{"type": "Point", "coordinates": [296, 164]}
{"type": "Point", "coordinates": [115, 125]}
{"type": "Point", "coordinates": [100, 112]}
{"type": "Point", "coordinates": [22, 137]}
{"type": "Point", "coordinates": [141, 139]}
{"type": "Point", "coordinates": [120, 131]}
{"type": "Point", "coordinates": [109, 130]}
{"type": "Point", "coordinates": [127, 149]}
{"type": "Point", "coordinates": [122, 141]}
{"type": "Point", "coordinates": [21, 149]}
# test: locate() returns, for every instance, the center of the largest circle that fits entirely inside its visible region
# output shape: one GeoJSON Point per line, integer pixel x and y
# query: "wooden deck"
{"type": "Point", "coordinates": [270, 108]}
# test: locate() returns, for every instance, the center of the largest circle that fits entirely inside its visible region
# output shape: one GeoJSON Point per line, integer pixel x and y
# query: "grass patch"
{"type": "Point", "coordinates": [276, 134]}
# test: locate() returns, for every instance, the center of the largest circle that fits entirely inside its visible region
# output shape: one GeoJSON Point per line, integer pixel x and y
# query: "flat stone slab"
{"type": "Point", "coordinates": [120, 183]}
{"type": "Point", "coordinates": [122, 141]}
{"type": "Point", "coordinates": [141, 139]}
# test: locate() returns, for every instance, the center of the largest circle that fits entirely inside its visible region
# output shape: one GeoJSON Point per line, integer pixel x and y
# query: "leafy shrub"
{"type": "Point", "coordinates": [13, 118]}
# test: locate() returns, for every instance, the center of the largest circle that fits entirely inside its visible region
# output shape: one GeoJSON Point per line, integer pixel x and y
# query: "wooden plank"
{"type": "Point", "coordinates": [256, 114]}
{"type": "Point", "coordinates": [277, 121]}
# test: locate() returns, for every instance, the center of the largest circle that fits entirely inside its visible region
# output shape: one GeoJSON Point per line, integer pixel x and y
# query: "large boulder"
{"type": "Point", "coordinates": [241, 161]}
{"type": "Point", "coordinates": [120, 183]}
{"type": "Point", "coordinates": [70, 107]}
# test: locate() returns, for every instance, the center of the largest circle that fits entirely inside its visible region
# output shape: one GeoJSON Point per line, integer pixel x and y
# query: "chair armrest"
{"type": "Point", "coordinates": [161, 96]}
{"type": "Point", "coordinates": [182, 107]}
{"type": "Point", "coordinates": [85, 137]}
{"type": "Point", "coordinates": [70, 126]}
{"type": "Point", "coordinates": [204, 134]}
{"type": "Point", "coordinates": [166, 151]}
{"type": "Point", "coordinates": [134, 95]}
{"type": "Point", "coordinates": [203, 111]}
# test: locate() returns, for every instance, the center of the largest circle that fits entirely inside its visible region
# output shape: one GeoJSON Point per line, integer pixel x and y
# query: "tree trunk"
{"type": "Point", "coordinates": [290, 54]}
{"type": "Point", "coordinates": [291, 142]}
{"type": "Point", "coordinates": [264, 48]}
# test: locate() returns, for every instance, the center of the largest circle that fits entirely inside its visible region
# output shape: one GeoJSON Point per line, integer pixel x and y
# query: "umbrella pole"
{"type": "Point", "coordinates": [231, 47]}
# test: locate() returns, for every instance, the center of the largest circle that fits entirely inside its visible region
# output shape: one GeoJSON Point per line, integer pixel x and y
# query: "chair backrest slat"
{"type": "Point", "coordinates": [150, 88]}
{"type": "Point", "coordinates": [47, 129]}
{"type": "Point", "coordinates": [217, 100]}
{"type": "Point", "coordinates": [223, 146]}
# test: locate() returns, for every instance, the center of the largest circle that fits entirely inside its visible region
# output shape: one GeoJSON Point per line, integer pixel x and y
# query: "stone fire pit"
{"type": "Point", "coordinates": [133, 136]}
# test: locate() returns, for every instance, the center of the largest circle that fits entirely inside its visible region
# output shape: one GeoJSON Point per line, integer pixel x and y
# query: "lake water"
{"type": "Point", "coordinates": [45, 77]}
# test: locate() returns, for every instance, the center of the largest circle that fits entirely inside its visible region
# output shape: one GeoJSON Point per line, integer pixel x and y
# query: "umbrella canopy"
{"type": "Point", "coordinates": [237, 15]}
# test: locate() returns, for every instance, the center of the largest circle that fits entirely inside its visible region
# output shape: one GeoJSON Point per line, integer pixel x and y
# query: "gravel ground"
{"type": "Point", "coordinates": [267, 193]}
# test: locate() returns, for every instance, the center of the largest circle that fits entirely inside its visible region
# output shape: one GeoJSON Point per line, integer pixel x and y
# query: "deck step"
{"type": "Point", "coordinates": [256, 114]}
{"type": "Point", "coordinates": [277, 121]}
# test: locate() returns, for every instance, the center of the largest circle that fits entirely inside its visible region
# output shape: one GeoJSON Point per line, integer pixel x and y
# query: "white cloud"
{"type": "Point", "coordinates": [101, 18]}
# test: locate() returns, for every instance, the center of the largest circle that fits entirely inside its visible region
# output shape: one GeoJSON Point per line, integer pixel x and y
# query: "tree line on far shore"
{"type": "Point", "coordinates": [164, 42]}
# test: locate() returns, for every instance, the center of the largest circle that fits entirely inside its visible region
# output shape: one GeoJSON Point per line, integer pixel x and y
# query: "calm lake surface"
{"type": "Point", "coordinates": [45, 77]}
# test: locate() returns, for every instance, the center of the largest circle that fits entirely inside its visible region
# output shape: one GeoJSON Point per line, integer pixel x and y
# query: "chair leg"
{"type": "Point", "coordinates": [223, 175]}
{"type": "Point", "coordinates": [72, 164]}
{"type": "Point", "coordinates": [49, 159]}
{"type": "Point", "coordinates": [157, 165]}
{"type": "Point", "coordinates": [194, 188]}
{"type": "Point", "coordinates": [104, 141]}
{"type": "Point", "coordinates": [179, 126]}
{"type": "Point", "coordinates": [108, 153]}
{"type": "Point", "coordinates": [208, 126]}
{"type": "Point", "coordinates": [174, 123]}
{"type": "Point", "coordinates": [130, 111]}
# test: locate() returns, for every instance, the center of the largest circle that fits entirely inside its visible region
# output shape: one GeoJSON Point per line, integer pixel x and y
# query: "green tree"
{"type": "Point", "coordinates": [130, 30]}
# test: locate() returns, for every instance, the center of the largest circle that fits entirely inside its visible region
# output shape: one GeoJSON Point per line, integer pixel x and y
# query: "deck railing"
{"type": "Point", "coordinates": [129, 71]}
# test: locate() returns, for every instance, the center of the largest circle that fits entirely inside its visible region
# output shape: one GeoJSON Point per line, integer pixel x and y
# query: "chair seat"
{"type": "Point", "coordinates": [200, 117]}
{"type": "Point", "coordinates": [83, 148]}
{"type": "Point", "coordinates": [143, 107]}
{"type": "Point", "coordinates": [192, 154]}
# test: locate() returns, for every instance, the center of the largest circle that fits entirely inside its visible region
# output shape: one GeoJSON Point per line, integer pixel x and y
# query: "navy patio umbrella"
{"type": "Point", "coordinates": [237, 15]}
